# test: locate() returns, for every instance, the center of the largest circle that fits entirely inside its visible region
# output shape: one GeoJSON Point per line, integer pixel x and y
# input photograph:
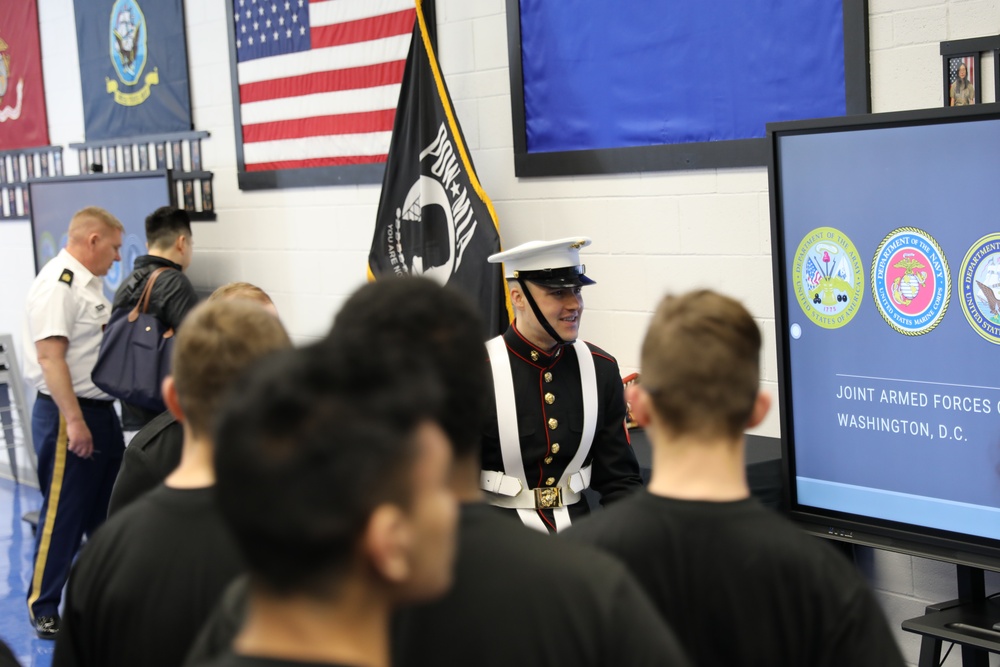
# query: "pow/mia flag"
{"type": "Point", "coordinates": [133, 67]}
{"type": "Point", "coordinates": [434, 220]}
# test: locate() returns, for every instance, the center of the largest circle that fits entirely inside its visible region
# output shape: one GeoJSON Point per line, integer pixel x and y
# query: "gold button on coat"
{"type": "Point", "coordinates": [550, 398]}
{"type": "Point", "coordinates": [555, 447]}
{"type": "Point", "coordinates": [553, 424]}
{"type": "Point", "coordinates": [550, 481]}
{"type": "Point", "coordinates": [534, 356]}
{"type": "Point", "coordinates": [548, 460]}
{"type": "Point", "coordinates": [548, 377]}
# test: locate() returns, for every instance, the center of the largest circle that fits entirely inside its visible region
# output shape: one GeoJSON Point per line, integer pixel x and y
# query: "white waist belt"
{"type": "Point", "coordinates": [509, 488]}
{"type": "Point", "coordinates": [508, 492]}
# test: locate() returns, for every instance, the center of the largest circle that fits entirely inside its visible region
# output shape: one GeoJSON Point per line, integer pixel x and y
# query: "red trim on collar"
{"type": "Point", "coordinates": [545, 359]}
{"type": "Point", "coordinates": [528, 342]}
{"type": "Point", "coordinates": [527, 361]}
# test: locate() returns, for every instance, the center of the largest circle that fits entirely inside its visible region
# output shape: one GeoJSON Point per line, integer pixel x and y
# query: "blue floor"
{"type": "Point", "coordinates": [18, 544]}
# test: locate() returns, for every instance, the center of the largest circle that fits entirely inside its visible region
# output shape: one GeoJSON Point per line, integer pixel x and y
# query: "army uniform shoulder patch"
{"type": "Point", "coordinates": [66, 277]}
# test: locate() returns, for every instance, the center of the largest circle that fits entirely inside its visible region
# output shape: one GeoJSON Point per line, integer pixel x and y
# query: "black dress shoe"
{"type": "Point", "coordinates": [47, 627]}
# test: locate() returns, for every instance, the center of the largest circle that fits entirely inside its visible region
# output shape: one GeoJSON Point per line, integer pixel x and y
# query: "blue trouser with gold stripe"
{"type": "Point", "coordinates": [75, 493]}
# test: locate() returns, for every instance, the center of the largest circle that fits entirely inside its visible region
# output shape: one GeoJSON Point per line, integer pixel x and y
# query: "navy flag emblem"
{"type": "Point", "coordinates": [133, 67]}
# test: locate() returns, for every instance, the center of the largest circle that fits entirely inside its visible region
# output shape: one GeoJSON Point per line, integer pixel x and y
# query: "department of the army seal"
{"type": "Point", "coordinates": [828, 277]}
{"type": "Point", "coordinates": [910, 281]}
{"type": "Point", "coordinates": [980, 281]}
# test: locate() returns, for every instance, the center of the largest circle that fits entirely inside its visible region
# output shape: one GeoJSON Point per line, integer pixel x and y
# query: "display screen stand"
{"type": "Point", "coordinates": [972, 621]}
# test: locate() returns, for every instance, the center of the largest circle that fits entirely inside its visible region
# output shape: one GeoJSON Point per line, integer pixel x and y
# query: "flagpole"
{"type": "Point", "coordinates": [459, 144]}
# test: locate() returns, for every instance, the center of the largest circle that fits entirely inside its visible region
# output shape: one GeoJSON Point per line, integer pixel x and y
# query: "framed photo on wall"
{"type": "Point", "coordinates": [962, 81]}
{"type": "Point", "coordinates": [961, 61]}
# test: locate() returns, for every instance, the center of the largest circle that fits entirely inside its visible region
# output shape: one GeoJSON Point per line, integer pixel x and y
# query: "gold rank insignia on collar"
{"type": "Point", "coordinates": [66, 277]}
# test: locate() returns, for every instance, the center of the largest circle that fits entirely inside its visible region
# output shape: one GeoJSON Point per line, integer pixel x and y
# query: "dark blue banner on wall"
{"type": "Point", "coordinates": [133, 67]}
{"type": "Point", "coordinates": [638, 73]}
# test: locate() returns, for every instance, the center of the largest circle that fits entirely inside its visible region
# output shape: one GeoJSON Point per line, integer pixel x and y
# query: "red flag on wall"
{"type": "Point", "coordinates": [22, 95]}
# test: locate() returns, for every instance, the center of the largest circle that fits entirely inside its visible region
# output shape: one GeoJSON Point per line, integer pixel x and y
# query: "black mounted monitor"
{"type": "Point", "coordinates": [886, 250]}
{"type": "Point", "coordinates": [129, 197]}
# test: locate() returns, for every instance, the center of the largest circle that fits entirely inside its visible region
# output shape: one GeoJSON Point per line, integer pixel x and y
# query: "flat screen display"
{"type": "Point", "coordinates": [886, 244]}
{"type": "Point", "coordinates": [129, 197]}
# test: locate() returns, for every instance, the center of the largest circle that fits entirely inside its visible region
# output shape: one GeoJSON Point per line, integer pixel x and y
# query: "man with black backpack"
{"type": "Point", "coordinates": [170, 246]}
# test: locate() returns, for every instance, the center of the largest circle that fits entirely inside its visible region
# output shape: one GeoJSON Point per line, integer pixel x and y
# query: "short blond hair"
{"type": "Point", "coordinates": [241, 290]}
{"type": "Point", "coordinates": [218, 341]}
{"type": "Point", "coordinates": [701, 364]}
{"type": "Point", "coordinates": [80, 218]}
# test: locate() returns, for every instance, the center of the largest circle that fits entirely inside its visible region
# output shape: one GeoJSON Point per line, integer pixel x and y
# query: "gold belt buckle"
{"type": "Point", "coordinates": [548, 498]}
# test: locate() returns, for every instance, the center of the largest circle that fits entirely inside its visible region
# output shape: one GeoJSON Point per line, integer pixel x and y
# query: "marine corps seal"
{"type": "Point", "coordinates": [910, 281]}
{"type": "Point", "coordinates": [4, 69]}
{"type": "Point", "coordinates": [9, 110]}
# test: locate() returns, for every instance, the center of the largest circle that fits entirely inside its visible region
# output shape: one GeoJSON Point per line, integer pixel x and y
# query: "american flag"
{"type": "Point", "coordinates": [955, 63]}
{"type": "Point", "coordinates": [319, 79]}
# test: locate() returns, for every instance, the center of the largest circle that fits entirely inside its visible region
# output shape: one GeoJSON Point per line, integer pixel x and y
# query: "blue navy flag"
{"type": "Point", "coordinates": [133, 67]}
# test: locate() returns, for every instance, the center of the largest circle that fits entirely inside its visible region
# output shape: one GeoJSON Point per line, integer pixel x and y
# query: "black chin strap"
{"type": "Point", "coordinates": [538, 313]}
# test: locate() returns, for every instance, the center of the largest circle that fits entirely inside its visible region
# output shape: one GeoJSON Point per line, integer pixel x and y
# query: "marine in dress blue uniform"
{"type": "Point", "coordinates": [557, 424]}
{"type": "Point", "coordinates": [76, 432]}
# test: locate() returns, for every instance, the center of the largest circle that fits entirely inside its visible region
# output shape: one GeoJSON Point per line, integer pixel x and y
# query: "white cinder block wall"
{"type": "Point", "coordinates": [652, 232]}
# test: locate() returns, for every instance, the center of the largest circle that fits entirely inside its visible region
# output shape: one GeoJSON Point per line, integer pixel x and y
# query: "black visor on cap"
{"type": "Point", "coordinates": [568, 276]}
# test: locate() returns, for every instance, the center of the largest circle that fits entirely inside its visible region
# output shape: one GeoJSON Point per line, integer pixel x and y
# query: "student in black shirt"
{"type": "Point", "coordinates": [741, 586]}
{"type": "Point", "coordinates": [333, 480]}
{"type": "Point", "coordinates": [144, 584]}
{"type": "Point", "coordinates": [150, 457]}
{"type": "Point", "coordinates": [155, 450]}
